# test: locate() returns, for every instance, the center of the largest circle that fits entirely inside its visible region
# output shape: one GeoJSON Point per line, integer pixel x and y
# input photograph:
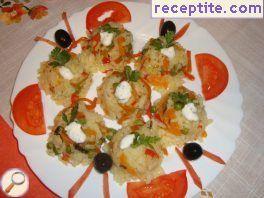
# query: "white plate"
{"type": "Point", "coordinates": [225, 110]}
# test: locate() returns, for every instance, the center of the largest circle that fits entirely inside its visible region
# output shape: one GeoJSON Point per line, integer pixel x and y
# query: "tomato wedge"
{"type": "Point", "coordinates": [120, 14]}
{"type": "Point", "coordinates": [28, 111]}
{"type": "Point", "coordinates": [213, 74]}
{"type": "Point", "coordinates": [166, 186]}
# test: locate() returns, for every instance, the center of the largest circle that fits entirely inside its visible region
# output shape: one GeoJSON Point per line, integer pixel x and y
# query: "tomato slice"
{"type": "Point", "coordinates": [28, 111]}
{"type": "Point", "coordinates": [120, 14]}
{"type": "Point", "coordinates": [213, 74]}
{"type": "Point", "coordinates": [166, 186]}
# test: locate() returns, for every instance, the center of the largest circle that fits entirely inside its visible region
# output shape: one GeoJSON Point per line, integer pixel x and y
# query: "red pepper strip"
{"type": "Point", "coordinates": [74, 189]}
{"type": "Point", "coordinates": [188, 68]}
{"type": "Point", "coordinates": [7, 9]}
{"type": "Point", "coordinates": [74, 99]}
{"type": "Point", "coordinates": [195, 177]}
{"type": "Point", "coordinates": [189, 76]}
{"type": "Point", "coordinates": [65, 157]}
{"type": "Point", "coordinates": [106, 185]}
{"type": "Point", "coordinates": [137, 55]}
{"type": "Point", "coordinates": [96, 38]}
{"type": "Point", "coordinates": [151, 153]}
{"type": "Point", "coordinates": [38, 38]}
{"type": "Point", "coordinates": [106, 60]}
{"type": "Point", "coordinates": [106, 71]}
{"type": "Point", "coordinates": [213, 157]}
{"type": "Point", "coordinates": [161, 24]}
{"type": "Point", "coordinates": [64, 17]}
{"type": "Point", "coordinates": [181, 32]}
{"type": "Point", "coordinates": [149, 114]}
{"type": "Point", "coordinates": [157, 116]}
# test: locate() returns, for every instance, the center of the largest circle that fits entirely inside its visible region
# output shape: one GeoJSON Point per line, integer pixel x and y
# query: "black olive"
{"type": "Point", "coordinates": [62, 38]}
{"type": "Point", "coordinates": [192, 151]}
{"type": "Point", "coordinates": [102, 162]}
{"type": "Point", "coordinates": [167, 26]}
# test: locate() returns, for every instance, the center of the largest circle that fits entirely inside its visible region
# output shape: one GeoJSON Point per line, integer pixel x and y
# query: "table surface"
{"type": "Point", "coordinates": [243, 41]}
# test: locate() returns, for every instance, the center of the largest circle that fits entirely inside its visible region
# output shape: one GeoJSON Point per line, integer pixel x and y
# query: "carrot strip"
{"type": "Point", "coordinates": [164, 151]}
{"type": "Point", "coordinates": [64, 17]}
{"type": "Point", "coordinates": [92, 103]}
{"type": "Point", "coordinates": [106, 185]}
{"type": "Point", "coordinates": [66, 138]}
{"type": "Point", "coordinates": [181, 32]}
{"type": "Point", "coordinates": [213, 157]}
{"type": "Point", "coordinates": [38, 38]}
{"type": "Point", "coordinates": [75, 43]}
{"type": "Point", "coordinates": [195, 177]}
{"type": "Point", "coordinates": [74, 189]}
{"type": "Point", "coordinates": [161, 24]}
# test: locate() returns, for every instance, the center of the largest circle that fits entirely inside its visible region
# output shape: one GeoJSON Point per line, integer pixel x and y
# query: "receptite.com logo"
{"type": "Point", "coordinates": [207, 9]}
{"type": "Point", "coordinates": [14, 183]}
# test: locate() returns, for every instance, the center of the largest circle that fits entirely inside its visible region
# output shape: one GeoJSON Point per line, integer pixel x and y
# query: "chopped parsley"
{"type": "Point", "coordinates": [164, 41]}
{"type": "Point", "coordinates": [131, 75]}
{"type": "Point", "coordinates": [179, 100]}
{"type": "Point", "coordinates": [153, 109]}
{"type": "Point", "coordinates": [74, 112]}
{"type": "Point", "coordinates": [141, 139]}
{"type": "Point", "coordinates": [108, 28]}
{"type": "Point", "coordinates": [59, 57]}
{"type": "Point", "coordinates": [111, 133]}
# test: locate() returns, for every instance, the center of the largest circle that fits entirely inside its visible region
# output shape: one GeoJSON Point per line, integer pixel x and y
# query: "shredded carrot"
{"type": "Point", "coordinates": [189, 76]}
{"type": "Point", "coordinates": [106, 71]}
{"type": "Point", "coordinates": [65, 157]}
{"type": "Point", "coordinates": [137, 55]}
{"type": "Point", "coordinates": [89, 132]}
{"type": "Point", "coordinates": [170, 113]}
{"type": "Point", "coordinates": [148, 111]}
{"type": "Point", "coordinates": [123, 118]}
{"type": "Point", "coordinates": [68, 27]}
{"type": "Point", "coordinates": [147, 87]}
{"type": "Point", "coordinates": [166, 64]}
{"type": "Point", "coordinates": [91, 102]}
{"type": "Point", "coordinates": [204, 134]}
{"type": "Point", "coordinates": [75, 43]}
{"type": "Point", "coordinates": [161, 24]}
{"type": "Point", "coordinates": [106, 185]}
{"type": "Point", "coordinates": [66, 138]}
{"type": "Point", "coordinates": [165, 151]}
{"type": "Point", "coordinates": [213, 157]}
{"type": "Point", "coordinates": [158, 81]}
{"type": "Point", "coordinates": [38, 38]}
{"type": "Point", "coordinates": [181, 32]}
{"type": "Point", "coordinates": [189, 61]}
{"type": "Point", "coordinates": [74, 189]}
{"type": "Point", "coordinates": [123, 162]}
{"type": "Point", "coordinates": [195, 177]}
{"type": "Point", "coordinates": [174, 128]}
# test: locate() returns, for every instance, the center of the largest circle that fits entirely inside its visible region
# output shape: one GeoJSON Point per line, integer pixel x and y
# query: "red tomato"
{"type": "Point", "coordinates": [166, 186]}
{"type": "Point", "coordinates": [120, 14]}
{"type": "Point", "coordinates": [28, 111]}
{"type": "Point", "coordinates": [151, 153]}
{"type": "Point", "coordinates": [213, 74]}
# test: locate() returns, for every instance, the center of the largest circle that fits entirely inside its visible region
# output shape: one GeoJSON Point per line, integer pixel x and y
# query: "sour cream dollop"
{"type": "Point", "coordinates": [75, 132]}
{"type": "Point", "coordinates": [65, 73]}
{"type": "Point", "coordinates": [127, 141]}
{"type": "Point", "coordinates": [106, 38]}
{"type": "Point", "coordinates": [123, 92]}
{"type": "Point", "coordinates": [190, 112]}
{"type": "Point", "coordinates": [169, 52]}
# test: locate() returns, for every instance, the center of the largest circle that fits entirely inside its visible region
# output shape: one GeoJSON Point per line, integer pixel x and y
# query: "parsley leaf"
{"type": "Point", "coordinates": [153, 109]}
{"type": "Point", "coordinates": [157, 44]}
{"type": "Point", "coordinates": [169, 36]}
{"type": "Point", "coordinates": [141, 139]}
{"type": "Point", "coordinates": [131, 75]}
{"type": "Point", "coordinates": [111, 133]}
{"type": "Point", "coordinates": [64, 117]}
{"type": "Point", "coordinates": [115, 85]}
{"type": "Point", "coordinates": [108, 28]}
{"type": "Point", "coordinates": [74, 112]}
{"type": "Point", "coordinates": [81, 121]}
{"type": "Point", "coordinates": [59, 57]}
{"type": "Point", "coordinates": [180, 100]}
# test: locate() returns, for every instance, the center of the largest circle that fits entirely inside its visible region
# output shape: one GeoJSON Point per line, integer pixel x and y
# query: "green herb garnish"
{"type": "Point", "coordinates": [115, 85]}
{"type": "Point", "coordinates": [68, 149]}
{"type": "Point", "coordinates": [180, 100]}
{"type": "Point", "coordinates": [74, 112]}
{"type": "Point", "coordinates": [169, 37]}
{"type": "Point", "coordinates": [59, 57]}
{"type": "Point", "coordinates": [111, 133]}
{"type": "Point", "coordinates": [185, 131]}
{"type": "Point", "coordinates": [153, 109]}
{"type": "Point", "coordinates": [64, 118]}
{"type": "Point", "coordinates": [108, 28]}
{"type": "Point", "coordinates": [138, 122]}
{"type": "Point", "coordinates": [81, 121]}
{"type": "Point", "coordinates": [157, 44]}
{"type": "Point", "coordinates": [163, 42]}
{"type": "Point", "coordinates": [141, 139]}
{"type": "Point", "coordinates": [131, 75]}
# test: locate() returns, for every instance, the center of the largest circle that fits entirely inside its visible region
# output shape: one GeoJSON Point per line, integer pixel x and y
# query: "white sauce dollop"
{"type": "Point", "coordinates": [106, 38]}
{"type": "Point", "coordinates": [65, 73]}
{"type": "Point", "coordinates": [75, 132]}
{"type": "Point", "coordinates": [169, 52]}
{"type": "Point", "coordinates": [123, 92]}
{"type": "Point", "coordinates": [190, 112]}
{"type": "Point", "coordinates": [127, 141]}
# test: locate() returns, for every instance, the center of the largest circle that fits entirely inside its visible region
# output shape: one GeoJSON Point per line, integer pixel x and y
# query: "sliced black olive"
{"type": "Point", "coordinates": [192, 151]}
{"type": "Point", "coordinates": [103, 162]}
{"type": "Point", "coordinates": [167, 26]}
{"type": "Point", "coordinates": [62, 38]}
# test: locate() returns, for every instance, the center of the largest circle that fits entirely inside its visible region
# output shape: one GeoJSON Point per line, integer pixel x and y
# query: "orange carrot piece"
{"type": "Point", "coordinates": [66, 138]}
{"type": "Point", "coordinates": [161, 24]}
{"type": "Point", "coordinates": [164, 151]}
{"type": "Point", "coordinates": [38, 38]}
{"type": "Point", "coordinates": [181, 32]}
{"type": "Point", "coordinates": [189, 60]}
{"type": "Point", "coordinates": [106, 185]}
{"type": "Point", "coordinates": [195, 177]}
{"type": "Point", "coordinates": [68, 27]}
{"type": "Point", "coordinates": [74, 189]}
{"type": "Point", "coordinates": [91, 102]}
{"type": "Point", "coordinates": [75, 43]}
{"type": "Point", "coordinates": [213, 157]}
